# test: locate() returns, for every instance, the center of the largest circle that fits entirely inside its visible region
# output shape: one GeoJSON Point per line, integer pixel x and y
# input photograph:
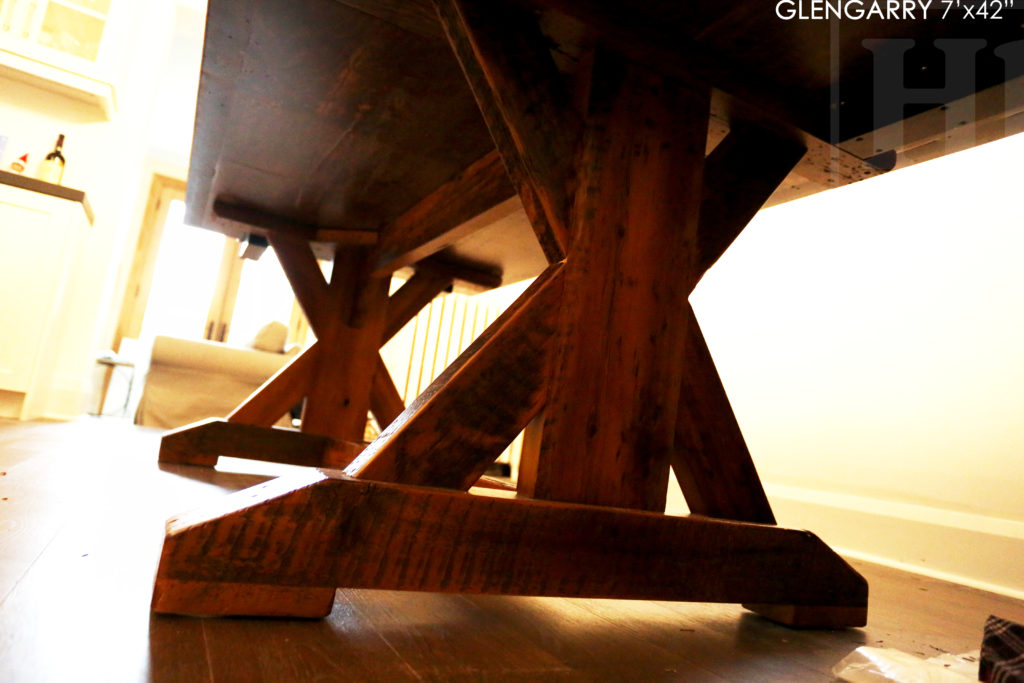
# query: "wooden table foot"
{"type": "Point", "coordinates": [222, 599]}
{"type": "Point", "coordinates": [204, 442]}
{"type": "Point", "coordinates": [813, 616]}
{"type": "Point", "coordinates": [321, 528]}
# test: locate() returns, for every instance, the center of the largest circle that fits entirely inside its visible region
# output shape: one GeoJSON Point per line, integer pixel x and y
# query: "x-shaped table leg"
{"type": "Point", "coordinates": [631, 213]}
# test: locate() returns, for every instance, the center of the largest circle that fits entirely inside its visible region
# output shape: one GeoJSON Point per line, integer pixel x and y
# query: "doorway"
{"type": "Point", "coordinates": [192, 283]}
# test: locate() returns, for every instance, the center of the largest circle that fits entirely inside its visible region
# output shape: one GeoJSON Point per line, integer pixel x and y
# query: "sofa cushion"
{"type": "Point", "coordinates": [271, 337]}
{"type": "Point", "coordinates": [190, 380]}
{"type": "Point", "coordinates": [208, 357]}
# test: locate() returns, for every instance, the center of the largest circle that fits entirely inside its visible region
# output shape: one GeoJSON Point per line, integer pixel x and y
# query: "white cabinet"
{"type": "Point", "coordinates": [68, 46]}
{"type": "Point", "coordinates": [40, 235]}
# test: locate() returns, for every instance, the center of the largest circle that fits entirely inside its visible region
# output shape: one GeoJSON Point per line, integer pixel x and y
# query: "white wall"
{"type": "Point", "coordinates": [170, 130]}
{"type": "Point", "coordinates": [167, 139]}
{"type": "Point", "coordinates": [871, 340]}
{"type": "Point", "coordinates": [106, 159]}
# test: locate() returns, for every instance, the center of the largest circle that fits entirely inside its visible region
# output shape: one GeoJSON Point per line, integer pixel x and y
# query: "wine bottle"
{"type": "Point", "coordinates": [51, 169]}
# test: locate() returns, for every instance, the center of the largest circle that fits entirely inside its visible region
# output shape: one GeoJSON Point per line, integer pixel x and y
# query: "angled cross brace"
{"type": "Point", "coordinates": [477, 406]}
{"type": "Point", "coordinates": [709, 455]}
{"type": "Point", "coordinates": [240, 435]}
{"type": "Point", "coordinates": [283, 389]}
{"type": "Point", "coordinates": [304, 535]}
{"type": "Point", "coordinates": [529, 118]}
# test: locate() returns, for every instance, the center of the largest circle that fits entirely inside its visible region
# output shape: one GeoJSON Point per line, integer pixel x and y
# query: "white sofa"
{"type": "Point", "coordinates": [192, 380]}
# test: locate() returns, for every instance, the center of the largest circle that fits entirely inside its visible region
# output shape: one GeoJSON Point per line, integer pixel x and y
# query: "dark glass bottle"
{"type": "Point", "coordinates": [51, 169]}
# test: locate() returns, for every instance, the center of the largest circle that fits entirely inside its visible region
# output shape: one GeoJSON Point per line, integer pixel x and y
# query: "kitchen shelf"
{"type": "Point", "coordinates": [43, 187]}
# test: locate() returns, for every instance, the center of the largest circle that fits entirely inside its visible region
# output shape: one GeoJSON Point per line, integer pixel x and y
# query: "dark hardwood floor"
{"type": "Point", "coordinates": [81, 523]}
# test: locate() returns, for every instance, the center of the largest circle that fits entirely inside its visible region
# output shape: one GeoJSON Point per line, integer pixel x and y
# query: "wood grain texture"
{"type": "Point", "coordinates": [477, 406]}
{"type": "Point", "coordinates": [203, 442]}
{"type": "Point", "coordinates": [386, 403]}
{"type": "Point", "coordinates": [304, 275]}
{"type": "Point", "coordinates": [379, 118]}
{"type": "Point", "coordinates": [332, 527]}
{"type": "Point", "coordinates": [249, 217]}
{"type": "Point", "coordinates": [445, 216]}
{"type": "Point", "coordinates": [358, 153]}
{"type": "Point", "coordinates": [280, 393]}
{"type": "Point", "coordinates": [296, 380]}
{"type": "Point", "coordinates": [507, 62]}
{"type": "Point", "coordinates": [479, 647]}
{"type": "Point", "coordinates": [709, 455]}
{"type": "Point", "coordinates": [351, 323]}
{"type": "Point", "coordinates": [204, 599]}
{"type": "Point", "coordinates": [348, 317]}
{"type": "Point", "coordinates": [617, 370]}
{"type": "Point", "coordinates": [292, 383]}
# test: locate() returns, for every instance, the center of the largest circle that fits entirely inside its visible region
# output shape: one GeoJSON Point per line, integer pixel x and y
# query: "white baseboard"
{"type": "Point", "coordinates": [970, 549]}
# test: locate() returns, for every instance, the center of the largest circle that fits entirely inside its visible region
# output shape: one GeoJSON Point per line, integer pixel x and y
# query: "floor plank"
{"type": "Point", "coordinates": [445, 637]}
{"type": "Point", "coordinates": [80, 534]}
{"type": "Point", "coordinates": [337, 648]}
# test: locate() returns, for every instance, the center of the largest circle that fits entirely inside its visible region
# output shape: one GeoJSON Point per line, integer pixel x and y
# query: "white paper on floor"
{"type": "Point", "coordinates": [881, 665]}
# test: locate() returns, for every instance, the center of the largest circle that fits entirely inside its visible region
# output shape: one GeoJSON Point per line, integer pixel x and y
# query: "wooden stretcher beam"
{"type": "Point", "coordinates": [265, 222]}
{"type": "Point", "coordinates": [477, 276]}
{"type": "Point", "coordinates": [321, 529]}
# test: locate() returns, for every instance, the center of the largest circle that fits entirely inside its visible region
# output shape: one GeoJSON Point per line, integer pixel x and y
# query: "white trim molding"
{"type": "Point", "coordinates": [971, 549]}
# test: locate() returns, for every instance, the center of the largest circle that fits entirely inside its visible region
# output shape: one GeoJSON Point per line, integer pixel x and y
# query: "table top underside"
{"type": "Point", "coordinates": [342, 115]}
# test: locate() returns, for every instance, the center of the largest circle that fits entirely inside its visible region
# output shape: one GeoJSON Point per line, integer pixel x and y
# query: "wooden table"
{"type": "Point", "coordinates": [614, 149]}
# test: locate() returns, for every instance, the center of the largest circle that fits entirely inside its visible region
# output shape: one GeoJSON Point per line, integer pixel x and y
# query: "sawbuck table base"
{"type": "Point", "coordinates": [601, 360]}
